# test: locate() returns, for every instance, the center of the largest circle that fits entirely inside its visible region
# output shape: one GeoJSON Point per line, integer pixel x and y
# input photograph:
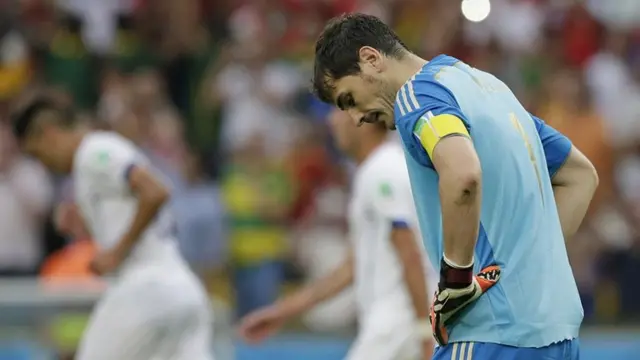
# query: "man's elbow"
{"type": "Point", "coordinates": [156, 195]}
{"type": "Point", "coordinates": [576, 172]}
{"type": "Point", "coordinates": [470, 179]}
{"type": "Point", "coordinates": [465, 184]}
{"type": "Point", "coordinates": [148, 187]}
{"type": "Point", "coordinates": [586, 173]}
{"type": "Point", "coordinates": [591, 176]}
{"type": "Point", "coordinates": [161, 195]}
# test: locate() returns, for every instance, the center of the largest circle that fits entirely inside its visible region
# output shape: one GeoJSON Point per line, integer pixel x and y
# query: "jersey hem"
{"type": "Point", "coordinates": [549, 336]}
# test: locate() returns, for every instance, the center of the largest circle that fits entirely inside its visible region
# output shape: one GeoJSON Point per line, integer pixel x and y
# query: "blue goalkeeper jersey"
{"type": "Point", "coordinates": [536, 301]}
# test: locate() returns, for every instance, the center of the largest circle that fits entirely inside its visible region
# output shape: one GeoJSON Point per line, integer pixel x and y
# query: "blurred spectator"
{"type": "Point", "coordinates": [26, 193]}
{"type": "Point", "coordinates": [201, 218]}
{"type": "Point", "coordinates": [625, 15]}
{"type": "Point", "coordinates": [568, 108]}
{"type": "Point", "coordinates": [152, 109]}
{"type": "Point", "coordinates": [214, 92]}
{"type": "Point", "coordinates": [128, 52]}
{"type": "Point", "coordinates": [255, 93]}
{"type": "Point", "coordinates": [136, 107]}
{"type": "Point", "coordinates": [628, 179]}
{"type": "Point", "coordinates": [203, 117]}
{"type": "Point", "coordinates": [67, 63]}
{"type": "Point", "coordinates": [409, 26]}
{"type": "Point", "coordinates": [615, 92]}
{"type": "Point", "coordinates": [258, 195]}
{"type": "Point", "coordinates": [321, 236]}
{"type": "Point", "coordinates": [100, 19]}
{"type": "Point", "coordinates": [14, 59]}
{"type": "Point", "coordinates": [580, 34]}
{"type": "Point", "coordinates": [516, 25]}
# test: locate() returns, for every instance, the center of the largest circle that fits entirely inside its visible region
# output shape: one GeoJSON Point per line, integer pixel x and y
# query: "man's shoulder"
{"type": "Point", "coordinates": [105, 139]}
{"type": "Point", "coordinates": [104, 142]}
{"type": "Point", "coordinates": [423, 92]}
{"type": "Point", "coordinates": [100, 149]}
{"type": "Point", "coordinates": [428, 76]}
{"type": "Point", "coordinates": [386, 164]}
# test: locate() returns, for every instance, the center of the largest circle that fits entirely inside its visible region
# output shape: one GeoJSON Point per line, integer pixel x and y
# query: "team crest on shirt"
{"type": "Point", "coordinates": [385, 190]}
{"type": "Point", "coordinates": [103, 157]}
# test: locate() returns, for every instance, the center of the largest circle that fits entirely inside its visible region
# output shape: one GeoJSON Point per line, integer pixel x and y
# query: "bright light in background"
{"type": "Point", "coordinates": [475, 10]}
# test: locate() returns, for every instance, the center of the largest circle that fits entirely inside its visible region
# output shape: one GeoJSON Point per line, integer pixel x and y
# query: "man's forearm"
{"type": "Point", "coordinates": [413, 270]}
{"type": "Point", "coordinates": [460, 187]}
{"type": "Point", "coordinates": [151, 195]}
{"type": "Point", "coordinates": [572, 203]}
{"type": "Point", "coordinates": [460, 201]}
{"type": "Point", "coordinates": [573, 188]}
{"type": "Point", "coordinates": [148, 208]}
{"type": "Point", "coordinates": [325, 288]}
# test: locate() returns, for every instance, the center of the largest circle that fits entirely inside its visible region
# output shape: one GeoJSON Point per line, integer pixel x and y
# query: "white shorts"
{"type": "Point", "coordinates": [387, 344]}
{"type": "Point", "coordinates": [152, 314]}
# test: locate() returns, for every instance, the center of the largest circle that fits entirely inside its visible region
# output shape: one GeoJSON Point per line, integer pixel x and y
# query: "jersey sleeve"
{"type": "Point", "coordinates": [556, 146]}
{"type": "Point", "coordinates": [391, 197]}
{"type": "Point", "coordinates": [109, 164]}
{"type": "Point", "coordinates": [429, 113]}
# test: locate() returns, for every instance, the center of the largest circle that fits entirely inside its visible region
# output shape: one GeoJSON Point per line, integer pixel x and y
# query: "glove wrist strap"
{"type": "Point", "coordinates": [454, 276]}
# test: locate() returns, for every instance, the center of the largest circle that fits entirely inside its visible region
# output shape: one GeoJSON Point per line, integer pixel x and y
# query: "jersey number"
{"type": "Point", "coordinates": [518, 126]}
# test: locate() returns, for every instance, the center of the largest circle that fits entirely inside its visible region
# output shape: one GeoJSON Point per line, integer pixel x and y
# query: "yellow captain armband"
{"type": "Point", "coordinates": [431, 129]}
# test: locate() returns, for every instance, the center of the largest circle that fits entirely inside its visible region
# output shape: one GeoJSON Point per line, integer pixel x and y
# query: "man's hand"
{"type": "Point", "coordinates": [106, 262]}
{"type": "Point", "coordinates": [262, 323]}
{"type": "Point", "coordinates": [68, 221]}
{"type": "Point", "coordinates": [457, 289]}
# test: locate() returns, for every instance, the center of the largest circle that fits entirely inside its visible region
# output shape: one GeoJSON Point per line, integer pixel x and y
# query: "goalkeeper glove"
{"type": "Point", "coordinates": [458, 287]}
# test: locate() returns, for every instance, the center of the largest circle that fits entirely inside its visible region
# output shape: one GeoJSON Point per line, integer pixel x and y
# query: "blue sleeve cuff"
{"type": "Point", "coordinates": [128, 170]}
{"type": "Point", "coordinates": [399, 224]}
{"type": "Point", "coordinates": [557, 147]}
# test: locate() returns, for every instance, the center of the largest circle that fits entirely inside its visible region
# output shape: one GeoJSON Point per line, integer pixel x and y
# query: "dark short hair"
{"type": "Point", "coordinates": [337, 48]}
{"type": "Point", "coordinates": [23, 119]}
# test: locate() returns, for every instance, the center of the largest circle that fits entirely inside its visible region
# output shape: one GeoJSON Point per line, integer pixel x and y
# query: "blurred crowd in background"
{"type": "Point", "coordinates": [216, 93]}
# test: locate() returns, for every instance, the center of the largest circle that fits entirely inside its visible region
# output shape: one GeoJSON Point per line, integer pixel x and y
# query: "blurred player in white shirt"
{"type": "Point", "coordinates": [388, 265]}
{"type": "Point", "coordinates": [157, 309]}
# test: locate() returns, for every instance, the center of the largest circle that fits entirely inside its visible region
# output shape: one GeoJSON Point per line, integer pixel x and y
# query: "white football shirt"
{"type": "Point", "coordinates": [100, 173]}
{"type": "Point", "coordinates": [382, 199]}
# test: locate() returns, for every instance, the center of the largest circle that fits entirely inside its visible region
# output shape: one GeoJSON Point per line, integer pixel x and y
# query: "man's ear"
{"type": "Point", "coordinates": [371, 57]}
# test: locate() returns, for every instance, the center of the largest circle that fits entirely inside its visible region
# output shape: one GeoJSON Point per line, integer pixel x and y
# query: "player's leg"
{"type": "Point", "coordinates": [187, 322]}
{"type": "Point", "coordinates": [118, 330]}
{"type": "Point", "coordinates": [384, 344]}
{"type": "Point", "coordinates": [193, 344]}
{"type": "Point", "coordinates": [188, 336]}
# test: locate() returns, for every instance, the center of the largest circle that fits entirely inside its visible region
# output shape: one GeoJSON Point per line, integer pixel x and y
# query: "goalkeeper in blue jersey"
{"type": "Point", "coordinates": [496, 189]}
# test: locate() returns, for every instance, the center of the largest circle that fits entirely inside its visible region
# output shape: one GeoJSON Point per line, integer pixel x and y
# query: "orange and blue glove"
{"type": "Point", "coordinates": [458, 287]}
